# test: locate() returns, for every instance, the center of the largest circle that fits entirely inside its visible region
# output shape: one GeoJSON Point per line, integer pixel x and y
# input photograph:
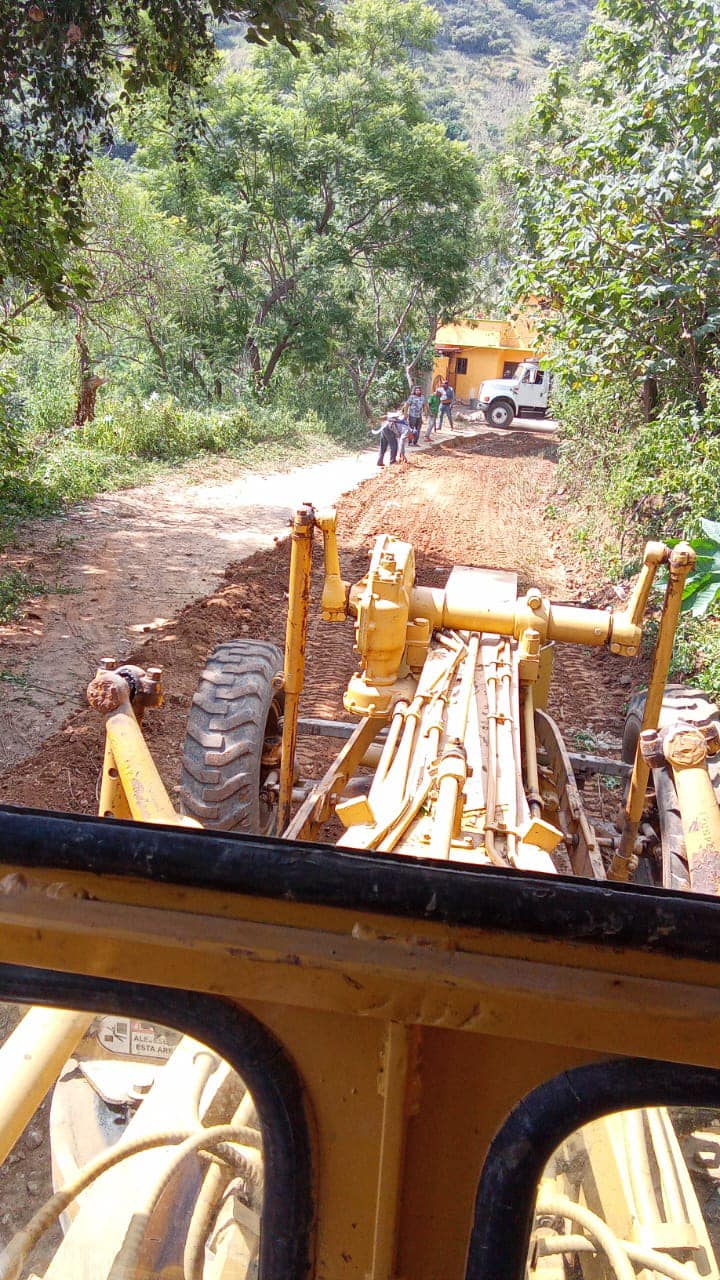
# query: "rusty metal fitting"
{"type": "Point", "coordinates": [651, 748]}
{"type": "Point", "coordinates": [112, 688]}
{"type": "Point", "coordinates": [534, 599]}
{"type": "Point", "coordinates": [682, 560]}
{"type": "Point", "coordinates": [145, 686]}
{"type": "Point", "coordinates": [684, 746]}
{"type": "Point", "coordinates": [107, 664]}
{"type": "Point", "coordinates": [108, 691]}
{"type": "Point", "coordinates": [305, 514]}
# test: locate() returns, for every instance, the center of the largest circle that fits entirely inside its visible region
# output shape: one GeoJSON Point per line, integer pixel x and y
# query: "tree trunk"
{"type": "Point", "coordinates": [275, 355]}
{"type": "Point", "coordinates": [361, 389]}
{"type": "Point", "coordinates": [649, 397]}
{"type": "Point", "coordinates": [157, 348]}
{"type": "Point", "coordinates": [89, 383]}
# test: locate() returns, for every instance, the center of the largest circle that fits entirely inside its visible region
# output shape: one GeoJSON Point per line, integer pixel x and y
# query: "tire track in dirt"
{"type": "Point", "coordinates": [472, 501]}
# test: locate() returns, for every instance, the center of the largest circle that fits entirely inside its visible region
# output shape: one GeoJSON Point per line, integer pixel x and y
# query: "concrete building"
{"type": "Point", "coordinates": [469, 352]}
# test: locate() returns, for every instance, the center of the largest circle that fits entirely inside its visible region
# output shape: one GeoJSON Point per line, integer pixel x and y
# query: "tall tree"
{"type": "Point", "coordinates": [149, 284]}
{"type": "Point", "coordinates": [64, 66]}
{"type": "Point", "coordinates": [621, 207]}
{"type": "Point", "coordinates": [338, 210]}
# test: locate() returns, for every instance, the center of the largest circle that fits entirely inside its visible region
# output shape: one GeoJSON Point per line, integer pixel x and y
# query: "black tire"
{"type": "Point", "coordinates": [233, 739]}
{"type": "Point", "coordinates": [678, 699]}
{"type": "Point", "coordinates": [500, 413]}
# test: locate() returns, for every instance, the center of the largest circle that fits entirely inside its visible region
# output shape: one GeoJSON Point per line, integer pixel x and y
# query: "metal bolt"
{"type": "Point", "coordinates": [534, 599]}
{"type": "Point", "coordinates": [108, 664]}
{"type": "Point", "coordinates": [651, 748]}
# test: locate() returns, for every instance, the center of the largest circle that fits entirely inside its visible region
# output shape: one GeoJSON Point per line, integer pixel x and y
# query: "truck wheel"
{"type": "Point", "coordinates": [233, 739]}
{"type": "Point", "coordinates": [679, 703]}
{"type": "Point", "coordinates": [500, 413]}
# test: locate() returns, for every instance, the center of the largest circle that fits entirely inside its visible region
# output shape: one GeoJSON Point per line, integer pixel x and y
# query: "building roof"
{"type": "Point", "coordinates": [498, 334]}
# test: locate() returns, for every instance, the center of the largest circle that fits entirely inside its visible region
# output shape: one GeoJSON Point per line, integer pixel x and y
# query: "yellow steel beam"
{"type": "Point", "coordinates": [113, 801]}
{"type": "Point", "coordinates": [680, 562]}
{"type": "Point", "coordinates": [30, 1062]}
{"type": "Point", "coordinates": [392, 1084]}
{"type": "Point", "coordinates": [137, 774]}
{"type": "Point", "coordinates": [686, 748]}
{"type": "Point", "coordinates": [295, 642]}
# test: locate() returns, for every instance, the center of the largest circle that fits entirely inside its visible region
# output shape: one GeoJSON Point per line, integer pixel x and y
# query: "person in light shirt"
{"type": "Point", "coordinates": [447, 395]}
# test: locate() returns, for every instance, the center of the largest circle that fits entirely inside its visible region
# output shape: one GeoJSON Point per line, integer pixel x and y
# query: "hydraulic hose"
{"type": "Point", "coordinates": [211, 1192]}
{"type": "Point", "coordinates": [646, 1259]}
{"type": "Point", "coordinates": [24, 1241]}
{"type": "Point", "coordinates": [205, 1062]}
{"type": "Point", "coordinates": [559, 1206]}
{"type": "Point", "coordinates": [126, 1259]}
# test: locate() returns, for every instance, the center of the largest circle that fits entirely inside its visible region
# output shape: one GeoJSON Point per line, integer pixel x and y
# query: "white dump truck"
{"type": "Point", "coordinates": [525, 394]}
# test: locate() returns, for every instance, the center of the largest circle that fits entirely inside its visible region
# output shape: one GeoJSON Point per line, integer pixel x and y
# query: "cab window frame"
{"type": "Point", "coordinates": [536, 1127]}
{"type": "Point", "coordinates": [251, 1050]}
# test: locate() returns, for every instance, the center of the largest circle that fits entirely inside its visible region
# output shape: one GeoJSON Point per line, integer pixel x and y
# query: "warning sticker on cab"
{"type": "Point", "coordinates": [136, 1039]}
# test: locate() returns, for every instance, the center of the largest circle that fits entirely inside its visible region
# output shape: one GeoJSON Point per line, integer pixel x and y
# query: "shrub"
{"type": "Point", "coordinates": [163, 430]}
{"type": "Point", "coordinates": [671, 473]}
{"type": "Point", "coordinates": [45, 381]}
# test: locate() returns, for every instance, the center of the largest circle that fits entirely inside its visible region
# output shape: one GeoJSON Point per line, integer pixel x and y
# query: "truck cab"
{"type": "Point", "coordinates": [526, 393]}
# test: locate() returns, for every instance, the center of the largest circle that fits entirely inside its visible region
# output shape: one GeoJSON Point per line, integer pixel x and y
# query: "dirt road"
{"type": "Point", "coordinates": [477, 501]}
{"type": "Point", "coordinates": [122, 566]}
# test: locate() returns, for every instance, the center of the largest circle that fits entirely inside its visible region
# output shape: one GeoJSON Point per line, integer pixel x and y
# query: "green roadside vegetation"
{"type": "Point", "coordinates": [617, 174]}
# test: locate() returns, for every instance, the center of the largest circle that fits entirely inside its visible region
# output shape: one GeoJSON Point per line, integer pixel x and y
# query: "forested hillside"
{"type": "Point", "coordinates": [261, 255]}
{"type": "Point", "coordinates": [616, 187]}
{"type": "Point", "coordinates": [490, 58]}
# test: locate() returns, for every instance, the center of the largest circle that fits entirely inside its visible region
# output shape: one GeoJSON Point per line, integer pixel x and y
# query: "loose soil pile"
{"type": "Point", "coordinates": [476, 501]}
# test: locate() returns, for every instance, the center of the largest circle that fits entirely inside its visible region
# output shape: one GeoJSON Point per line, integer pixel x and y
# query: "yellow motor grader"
{"type": "Point", "coordinates": [421, 1019]}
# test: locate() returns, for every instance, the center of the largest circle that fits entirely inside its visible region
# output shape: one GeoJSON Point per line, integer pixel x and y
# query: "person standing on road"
{"type": "Point", "coordinates": [414, 407]}
{"type": "Point", "coordinates": [433, 407]}
{"type": "Point", "coordinates": [447, 395]}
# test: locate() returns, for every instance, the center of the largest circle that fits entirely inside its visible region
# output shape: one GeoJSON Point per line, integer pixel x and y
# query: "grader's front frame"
{"type": "Point", "coordinates": [422, 1031]}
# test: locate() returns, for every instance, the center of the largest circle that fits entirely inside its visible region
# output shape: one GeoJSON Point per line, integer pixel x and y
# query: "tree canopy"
{"type": "Point", "coordinates": [65, 67]}
{"type": "Point", "coordinates": [337, 210]}
{"type": "Point", "coordinates": [621, 206]}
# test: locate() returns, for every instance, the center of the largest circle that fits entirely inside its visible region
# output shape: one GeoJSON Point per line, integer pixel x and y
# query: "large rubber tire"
{"type": "Point", "coordinates": [673, 874]}
{"type": "Point", "coordinates": [233, 739]}
{"type": "Point", "coordinates": [500, 413]}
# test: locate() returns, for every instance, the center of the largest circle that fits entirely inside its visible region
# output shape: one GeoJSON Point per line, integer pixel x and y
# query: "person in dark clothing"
{"type": "Point", "coordinates": [414, 407]}
{"type": "Point", "coordinates": [389, 433]}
